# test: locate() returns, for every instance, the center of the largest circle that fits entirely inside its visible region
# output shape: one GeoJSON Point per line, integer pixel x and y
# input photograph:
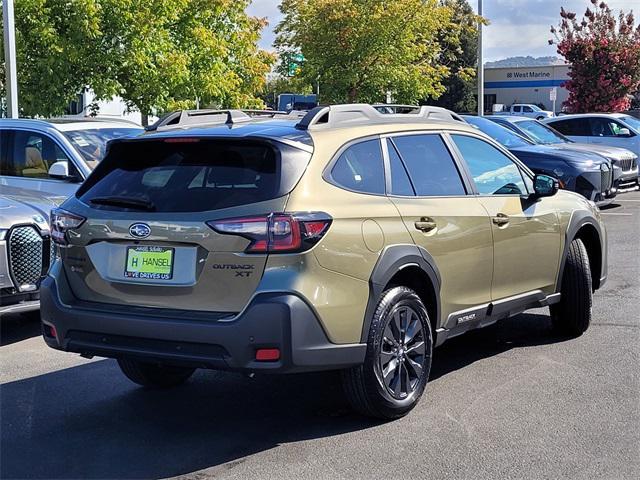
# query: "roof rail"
{"type": "Point", "coordinates": [362, 113]}
{"type": "Point", "coordinates": [395, 108]}
{"type": "Point", "coordinates": [183, 118]}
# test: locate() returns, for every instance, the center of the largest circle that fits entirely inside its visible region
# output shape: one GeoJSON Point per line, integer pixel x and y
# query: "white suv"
{"type": "Point", "coordinates": [615, 129]}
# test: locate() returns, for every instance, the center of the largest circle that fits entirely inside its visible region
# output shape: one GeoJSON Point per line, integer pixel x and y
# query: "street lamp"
{"type": "Point", "coordinates": [10, 58]}
{"type": "Point", "coordinates": [480, 65]}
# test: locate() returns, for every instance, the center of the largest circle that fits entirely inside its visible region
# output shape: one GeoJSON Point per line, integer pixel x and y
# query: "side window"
{"type": "Point", "coordinates": [400, 183]}
{"type": "Point", "coordinates": [601, 127]}
{"type": "Point", "coordinates": [578, 127]}
{"type": "Point", "coordinates": [4, 160]}
{"type": "Point", "coordinates": [527, 109]}
{"type": "Point", "coordinates": [517, 108]}
{"type": "Point", "coordinates": [360, 168]}
{"type": "Point", "coordinates": [493, 172]}
{"type": "Point", "coordinates": [616, 127]}
{"type": "Point", "coordinates": [33, 154]}
{"type": "Point", "coordinates": [430, 165]}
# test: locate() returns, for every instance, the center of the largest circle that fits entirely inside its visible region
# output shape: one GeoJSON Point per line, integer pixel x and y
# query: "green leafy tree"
{"type": "Point", "coordinates": [158, 55]}
{"type": "Point", "coordinates": [51, 52]}
{"type": "Point", "coordinates": [460, 54]}
{"type": "Point", "coordinates": [176, 54]}
{"type": "Point", "coordinates": [360, 49]}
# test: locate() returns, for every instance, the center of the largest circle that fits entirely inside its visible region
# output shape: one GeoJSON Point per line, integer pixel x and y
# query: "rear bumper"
{"type": "Point", "coordinates": [272, 320]}
{"type": "Point", "coordinates": [20, 307]}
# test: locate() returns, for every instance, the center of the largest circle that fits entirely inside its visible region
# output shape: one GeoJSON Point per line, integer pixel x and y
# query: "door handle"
{"type": "Point", "coordinates": [425, 224]}
{"type": "Point", "coordinates": [500, 219]}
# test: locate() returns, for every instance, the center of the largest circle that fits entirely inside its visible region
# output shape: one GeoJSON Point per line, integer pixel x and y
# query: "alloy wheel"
{"type": "Point", "coordinates": [402, 353]}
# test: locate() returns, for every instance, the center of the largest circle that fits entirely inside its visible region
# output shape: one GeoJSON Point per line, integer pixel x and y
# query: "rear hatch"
{"type": "Point", "coordinates": [170, 222]}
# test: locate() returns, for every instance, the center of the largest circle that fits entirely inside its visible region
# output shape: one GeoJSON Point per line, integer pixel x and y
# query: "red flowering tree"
{"type": "Point", "coordinates": [604, 57]}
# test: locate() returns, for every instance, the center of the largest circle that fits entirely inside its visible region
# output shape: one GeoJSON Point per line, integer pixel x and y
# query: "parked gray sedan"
{"type": "Point", "coordinates": [53, 157]}
{"type": "Point", "coordinates": [42, 163]}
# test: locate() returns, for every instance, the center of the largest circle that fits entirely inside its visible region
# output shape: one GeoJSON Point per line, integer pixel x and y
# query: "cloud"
{"type": "Point", "coordinates": [266, 9]}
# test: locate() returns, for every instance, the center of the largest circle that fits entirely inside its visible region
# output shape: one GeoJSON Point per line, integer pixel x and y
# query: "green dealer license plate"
{"type": "Point", "coordinates": [149, 262]}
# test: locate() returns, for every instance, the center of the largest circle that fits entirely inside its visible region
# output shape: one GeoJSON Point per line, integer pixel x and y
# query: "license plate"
{"type": "Point", "coordinates": [148, 262]}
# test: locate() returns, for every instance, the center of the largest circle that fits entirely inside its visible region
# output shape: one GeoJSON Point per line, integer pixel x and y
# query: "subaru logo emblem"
{"type": "Point", "coordinates": [140, 230]}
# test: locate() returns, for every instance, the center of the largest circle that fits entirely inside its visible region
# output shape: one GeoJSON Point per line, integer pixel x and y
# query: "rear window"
{"type": "Point", "coordinates": [192, 175]}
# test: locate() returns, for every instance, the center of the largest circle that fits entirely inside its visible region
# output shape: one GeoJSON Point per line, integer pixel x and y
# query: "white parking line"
{"type": "Point", "coordinates": [616, 213]}
{"type": "Point", "coordinates": [629, 200]}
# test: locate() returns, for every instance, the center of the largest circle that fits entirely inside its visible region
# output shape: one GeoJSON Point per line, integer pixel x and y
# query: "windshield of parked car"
{"type": "Point", "coordinates": [535, 108]}
{"type": "Point", "coordinates": [500, 134]}
{"type": "Point", "coordinates": [540, 133]}
{"type": "Point", "coordinates": [631, 121]}
{"type": "Point", "coordinates": [92, 143]}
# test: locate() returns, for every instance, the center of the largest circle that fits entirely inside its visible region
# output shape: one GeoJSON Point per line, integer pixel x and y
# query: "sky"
{"type": "Point", "coordinates": [518, 27]}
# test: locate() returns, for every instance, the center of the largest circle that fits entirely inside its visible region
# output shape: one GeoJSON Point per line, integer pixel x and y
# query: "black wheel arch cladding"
{"type": "Point", "coordinates": [391, 262]}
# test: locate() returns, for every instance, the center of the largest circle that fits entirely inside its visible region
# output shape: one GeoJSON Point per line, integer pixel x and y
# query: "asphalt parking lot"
{"type": "Point", "coordinates": [512, 401]}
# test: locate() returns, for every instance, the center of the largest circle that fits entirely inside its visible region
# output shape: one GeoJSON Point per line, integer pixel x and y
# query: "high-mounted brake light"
{"type": "Point", "coordinates": [276, 232]}
{"type": "Point", "coordinates": [181, 140]}
{"type": "Point", "coordinates": [61, 222]}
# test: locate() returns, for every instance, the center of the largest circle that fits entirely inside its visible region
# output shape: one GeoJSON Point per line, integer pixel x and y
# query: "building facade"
{"type": "Point", "coordinates": [525, 85]}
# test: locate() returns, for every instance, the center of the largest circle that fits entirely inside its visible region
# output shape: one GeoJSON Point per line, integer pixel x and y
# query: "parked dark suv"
{"type": "Point", "coordinates": [589, 174]}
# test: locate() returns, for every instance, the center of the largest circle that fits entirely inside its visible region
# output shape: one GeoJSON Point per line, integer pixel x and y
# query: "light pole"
{"type": "Point", "coordinates": [10, 58]}
{"type": "Point", "coordinates": [480, 66]}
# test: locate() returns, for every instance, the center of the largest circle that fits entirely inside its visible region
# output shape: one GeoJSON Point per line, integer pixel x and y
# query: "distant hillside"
{"type": "Point", "coordinates": [525, 62]}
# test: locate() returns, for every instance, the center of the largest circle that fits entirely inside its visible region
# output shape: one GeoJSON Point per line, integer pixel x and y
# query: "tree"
{"type": "Point", "coordinates": [158, 55]}
{"type": "Point", "coordinates": [175, 54]}
{"type": "Point", "coordinates": [460, 54]}
{"type": "Point", "coordinates": [360, 49]}
{"type": "Point", "coordinates": [604, 58]}
{"type": "Point", "coordinates": [51, 52]}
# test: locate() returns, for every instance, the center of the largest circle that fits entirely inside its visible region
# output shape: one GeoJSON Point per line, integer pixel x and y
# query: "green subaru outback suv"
{"type": "Point", "coordinates": [346, 239]}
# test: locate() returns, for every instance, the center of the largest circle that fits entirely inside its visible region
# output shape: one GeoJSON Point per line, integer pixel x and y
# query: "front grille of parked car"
{"type": "Point", "coordinates": [27, 263]}
{"type": "Point", "coordinates": [606, 178]}
{"type": "Point", "coordinates": [627, 164]}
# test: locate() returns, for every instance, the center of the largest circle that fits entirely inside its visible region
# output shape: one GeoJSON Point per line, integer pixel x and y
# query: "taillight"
{"type": "Point", "coordinates": [61, 222]}
{"type": "Point", "coordinates": [276, 232]}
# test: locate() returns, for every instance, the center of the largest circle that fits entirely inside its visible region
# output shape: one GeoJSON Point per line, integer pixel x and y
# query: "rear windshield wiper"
{"type": "Point", "coordinates": [125, 202]}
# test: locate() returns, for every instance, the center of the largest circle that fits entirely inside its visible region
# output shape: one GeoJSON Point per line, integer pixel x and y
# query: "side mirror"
{"type": "Point", "coordinates": [623, 132]}
{"type": "Point", "coordinates": [60, 171]}
{"type": "Point", "coordinates": [545, 186]}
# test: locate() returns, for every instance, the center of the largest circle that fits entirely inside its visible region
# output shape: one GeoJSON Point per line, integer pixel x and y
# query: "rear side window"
{"type": "Point", "coordinates": [578, 127]}
{"type": "Point", "coordinates": [192, 175]}
{"type": "Point", "coordinates": [360, 168]}
{"type": "Point", "coordinates": [431, 168]}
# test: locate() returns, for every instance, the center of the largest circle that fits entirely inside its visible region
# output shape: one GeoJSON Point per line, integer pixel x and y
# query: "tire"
{"type": "Point", "coordinates": [396, 368]}
{"type": "Point", "coordinates": [572, 315]}
{"type": "Point", "coordinates": [154, 375]}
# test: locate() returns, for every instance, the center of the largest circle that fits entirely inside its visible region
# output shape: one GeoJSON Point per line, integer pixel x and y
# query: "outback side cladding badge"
{"type": "Point", "coordinates": [139, 230]}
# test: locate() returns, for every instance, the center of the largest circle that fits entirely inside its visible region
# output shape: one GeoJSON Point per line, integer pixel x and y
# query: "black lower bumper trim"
{"type": "Point", "coordinates": [274, 320]}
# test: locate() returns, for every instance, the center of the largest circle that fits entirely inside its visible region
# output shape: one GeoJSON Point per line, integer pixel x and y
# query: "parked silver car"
{"type": "Point", "coordinates": [26, 252]}
{"type": "Point", "coordinates": [53, 157]}
{"type": "Point", "coordinates": [41, 164]}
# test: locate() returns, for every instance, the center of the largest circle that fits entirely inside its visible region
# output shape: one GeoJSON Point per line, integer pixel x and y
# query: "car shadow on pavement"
{"type": "Point", "coordinates": [17, 327]}
{"type": "Point", "coordinates": [90, 422]}
{"type": "Point", "coordinates": [525, 330]}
